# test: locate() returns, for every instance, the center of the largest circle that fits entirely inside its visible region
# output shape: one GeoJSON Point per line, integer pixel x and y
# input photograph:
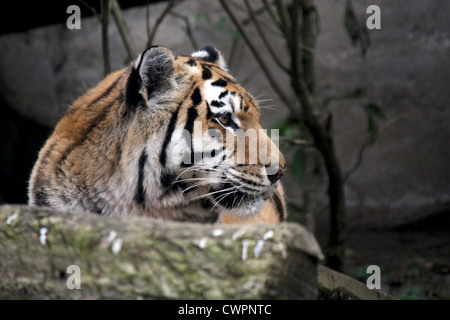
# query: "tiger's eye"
{"type": "Point", "coordinates": [224, 118]}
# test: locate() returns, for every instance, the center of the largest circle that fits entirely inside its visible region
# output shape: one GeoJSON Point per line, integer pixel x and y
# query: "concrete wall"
{"type": "Point", "coordinates": [406, 72]}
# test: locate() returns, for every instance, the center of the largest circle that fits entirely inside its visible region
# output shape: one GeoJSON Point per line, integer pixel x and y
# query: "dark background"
{"type": "Point", "coordinates": [25, 15]}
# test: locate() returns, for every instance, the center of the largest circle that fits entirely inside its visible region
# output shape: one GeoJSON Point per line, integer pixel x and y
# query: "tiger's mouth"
{"type": "Point", "coordinates": [239, 201]}
{"type": "Point", "coordinates": [229, 196]}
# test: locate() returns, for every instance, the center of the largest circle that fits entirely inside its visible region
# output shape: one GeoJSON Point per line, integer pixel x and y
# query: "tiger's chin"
{"type": "Point", "coordinates": [240, 204]}
{"type": "Point", "coordinates": [248, 209]}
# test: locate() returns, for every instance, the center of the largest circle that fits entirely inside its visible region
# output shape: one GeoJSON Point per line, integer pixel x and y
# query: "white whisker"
{"type": "Point", "coordinates": [211, 193]}
{"type": "Point", "coordinates": [242, 198]}
{"type": "Point", "coordinates": [222, 197]}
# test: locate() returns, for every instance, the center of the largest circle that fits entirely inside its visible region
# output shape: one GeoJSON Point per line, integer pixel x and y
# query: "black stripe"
{"type": "Point", "coordinates": [198, 156]}
{"type": "Point", "coordinates": [213, 55]}
{"type": "Point", "coordinates": [206, 204]}
{"type": "Point", "coordinates": [217, 104]}
{"type": "Point", "coordinates": [94, 123]}
{"type": "Point", "coordinates": [168, 181]}
{"type": "Point", "coordinates": [206, 74]}
{"type": "Point", "coordinates": [191, 62]}
{"type": "Point", "coordinates": [169, 131]}
{"type": "Point", "coordinates": [220, 83]}
{"type": "Point", "coordinates": [191, 116]}
{"type": "Point", "coordinates": [233, 125]}
{"type": "Point", "coordinates": [253, 104]}
{"type": "Point", "coordinates": [104, 94]}
{"type": "Point", "coordinates": [196, 97]}
{"type": "Point", "coordinates": [107, 92]}
{"type": "Point", "coordinates": [47, 155]}
{"type": "Point", "coordinates": [98, 209]}
{"type": "Point", "coordinates": [97, 120]}
{"type": "Point", "coordinates": [276, 198]}
{"type": "Point", "coordinates": [223, 75]}
{"type": "Point", "coordinates": [223, 94]}
{"type": "Point", "coordinates": [208, 111]}
{"type": "Point", "coordinates": [40, 198]}
{"type": "Point", "coordinates": [167, 178]}
{"type": "Point", "coordinates": [189, 127]}
{"type": "Point", "coordinates": [140, 193]}
{"type": "Point", "coordinates": [134, 84]}
{"type": "Point", "coordinates": [121, 97]}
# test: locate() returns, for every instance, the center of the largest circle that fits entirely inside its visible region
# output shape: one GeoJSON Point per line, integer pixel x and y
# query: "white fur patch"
{"type": "Point", "coordinates": [138, 60]}
{"type": "Point", "coordinates": [212, 93]}
{"type": "Point", "coordinates": [236, 104]}
{"type": "Point", "coordinates": [236, 120]}
{"type": "Point", "coordinates": [202, 54]}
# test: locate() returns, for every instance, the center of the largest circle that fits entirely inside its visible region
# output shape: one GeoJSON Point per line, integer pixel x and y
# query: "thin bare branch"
{"type": "Point", "coordinates": [368, 142]}
{"type": "Point", "coordinates": [308, 34]}
{"type": "Point", "coordinates": [296, 142]}
{"type": "Point", "coordinates": [106, 6]}
{"type": "Point", "coordinates": [263, 37]}
{"type": "Point", "coordinates": [158, 21]}
{"type": "Point", "coordinates": [92, 9]}
{"type": "Point", "coordinates": [147, 18]}
{"type": "Point", "coordinates": [259, 59]}
{"type": "Point", "coordinates": [259, 11]}
{"type": "Point", "coordinates": [247, 20]}
{"type": "Point", "coordinates": [188, 30]}
{"type": "Point", "coordinates": [123, 30]}
{"type": "Point", "coordinates": [235, 44]}
{"type": "Point", "coordinates": [272, 15]}
{"type": "Point", "coordinates": [292, 40]}
{"type": "Point", "coordinates": [285, 26]}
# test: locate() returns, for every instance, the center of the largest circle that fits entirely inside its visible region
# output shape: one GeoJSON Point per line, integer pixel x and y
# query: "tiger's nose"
{"type": "Point", "coordinates": [275, 177]}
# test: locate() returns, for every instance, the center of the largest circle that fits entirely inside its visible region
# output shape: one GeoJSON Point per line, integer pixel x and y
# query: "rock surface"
{"type": "Point", "coordinates": [141, 258]}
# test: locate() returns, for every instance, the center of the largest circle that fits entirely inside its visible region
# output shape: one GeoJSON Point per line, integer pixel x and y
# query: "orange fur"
{"type": "Point", "coordinates": [105, 155]}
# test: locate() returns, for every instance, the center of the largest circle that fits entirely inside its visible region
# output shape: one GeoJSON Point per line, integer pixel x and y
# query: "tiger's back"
{"type": "Point", "coordinates": [113, 151]}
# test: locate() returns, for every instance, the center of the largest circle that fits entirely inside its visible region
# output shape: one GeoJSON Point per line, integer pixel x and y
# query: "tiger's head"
{"type": "Point", "coordinates": [211, 152]}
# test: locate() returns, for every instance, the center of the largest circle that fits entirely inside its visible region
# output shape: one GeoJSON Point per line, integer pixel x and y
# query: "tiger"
{"type": "Point", "coordinates": [116, 151]}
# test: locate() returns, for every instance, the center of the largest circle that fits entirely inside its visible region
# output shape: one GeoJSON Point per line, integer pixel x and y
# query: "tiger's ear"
{"type": "Point", "coordinates": [152, 73]}
{"type": "Point", "coordinates": [211, 54]}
